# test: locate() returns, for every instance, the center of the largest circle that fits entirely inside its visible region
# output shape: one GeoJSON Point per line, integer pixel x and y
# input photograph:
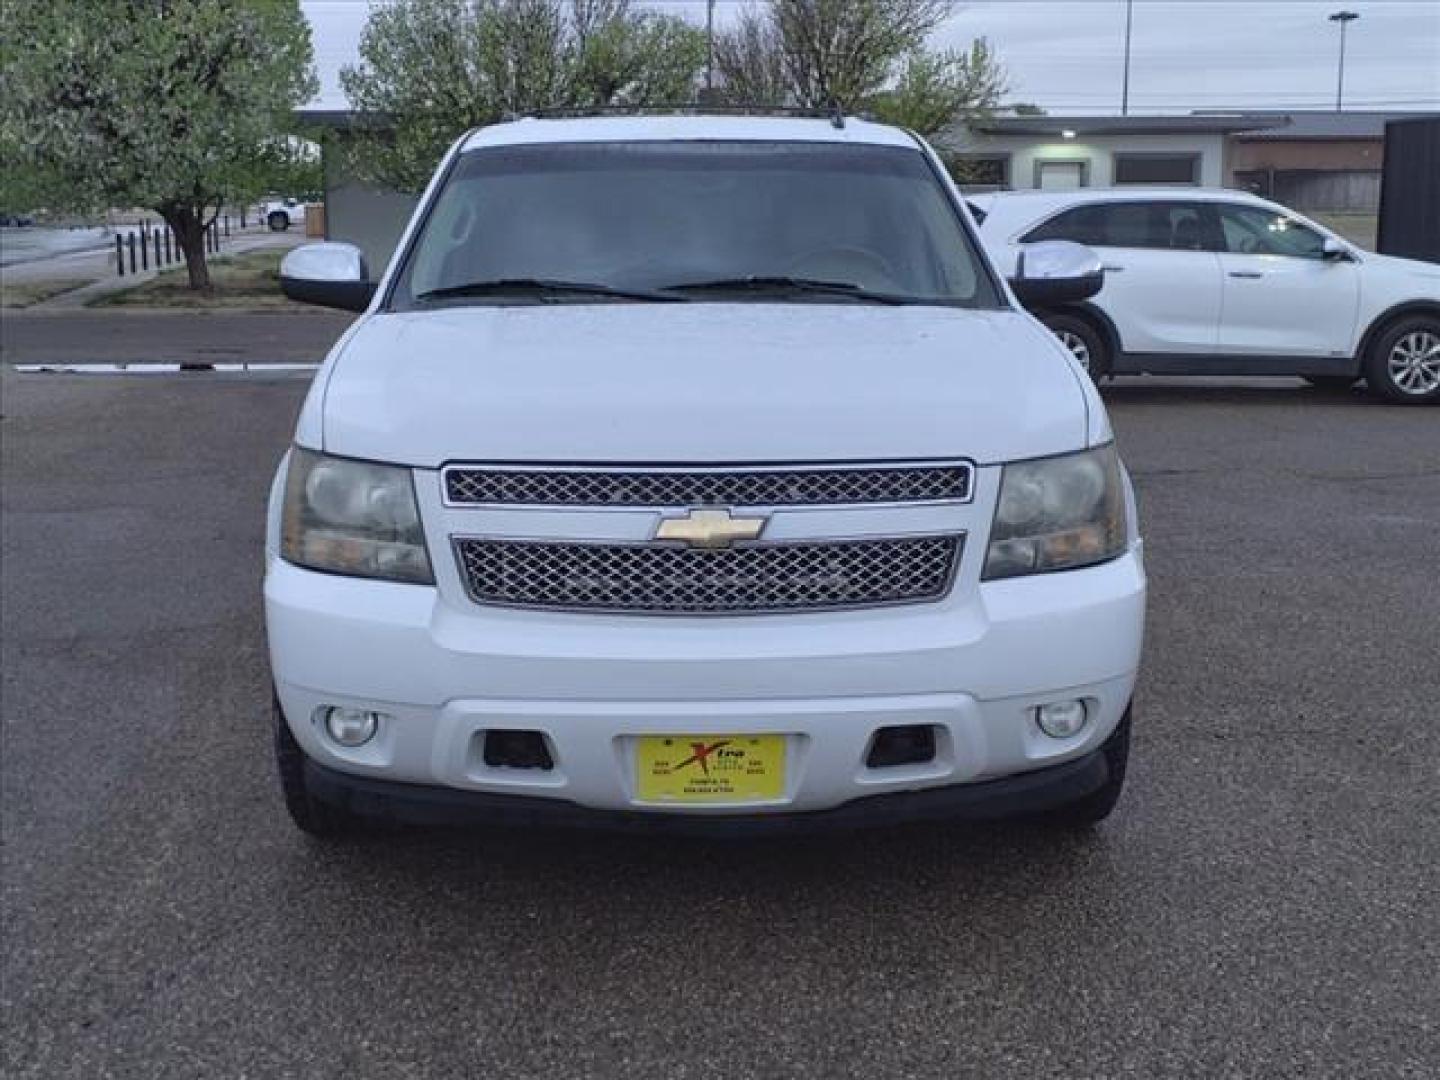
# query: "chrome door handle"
{"type": "Point", "coordinates": [1246, 273]}
{"type": "Point", "coordinates": [1112, 269]}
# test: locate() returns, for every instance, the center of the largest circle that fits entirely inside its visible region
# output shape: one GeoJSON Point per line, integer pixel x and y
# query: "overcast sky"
{"type": "Point", "coordinates": [1067, 55]}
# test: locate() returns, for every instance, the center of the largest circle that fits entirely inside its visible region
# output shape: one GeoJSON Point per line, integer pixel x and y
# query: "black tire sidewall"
{"type": "Point", "coordinates": [309, 814]}
{"type": "Point", "coordinates": [1061, 321]}
{"type": "Point", "coordinates": [1091, 809]}
{"type": "Point", "coordinates": [1377, 368]}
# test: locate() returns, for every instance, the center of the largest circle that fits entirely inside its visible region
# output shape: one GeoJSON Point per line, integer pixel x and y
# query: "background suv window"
{"type": "Point", "coordinates": [1254, 230]}
{"type": "Point", "coordinates": [1164, 226]}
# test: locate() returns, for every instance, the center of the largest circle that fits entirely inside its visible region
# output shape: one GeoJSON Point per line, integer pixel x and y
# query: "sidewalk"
{"type": "Point", "coordinates": [99, 268]}
{"type": "Point", "coordinates": [88, 294]}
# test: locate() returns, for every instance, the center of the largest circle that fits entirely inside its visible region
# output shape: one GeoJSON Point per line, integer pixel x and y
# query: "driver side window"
{"type": "Point", "coordinates": [1254, 230]}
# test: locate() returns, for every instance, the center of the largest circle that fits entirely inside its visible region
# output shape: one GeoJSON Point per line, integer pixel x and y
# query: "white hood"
{"type": "Point", "coordinates": [700, 383]}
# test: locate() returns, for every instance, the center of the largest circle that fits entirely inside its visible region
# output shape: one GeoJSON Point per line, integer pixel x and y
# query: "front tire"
{"type": "Point", "coordinates": [278, 222]}
{"type": "Point", "coordinates": [1403, 364]}
{"type": "Point", "coordinates": [1086, 344]}
{"type": "Point", "coordinates": [310, 815]}
{"type": "Point", "coordinates": [1090, 810]}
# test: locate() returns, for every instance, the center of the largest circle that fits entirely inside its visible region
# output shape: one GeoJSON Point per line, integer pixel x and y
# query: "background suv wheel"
{"type": "Point", "coordinates": [1085, 343]}
{"type": "Point", "coordinates": [1403, 364]}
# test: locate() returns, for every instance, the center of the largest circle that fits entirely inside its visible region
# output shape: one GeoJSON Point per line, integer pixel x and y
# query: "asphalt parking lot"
{"type": "Point", "coordinates": [1263, 903]}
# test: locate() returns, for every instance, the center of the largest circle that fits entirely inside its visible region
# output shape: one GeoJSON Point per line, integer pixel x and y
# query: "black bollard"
{"type": "Point", "coordinates": [119, 256]}
{"type": "Point", "coordinates": [130, 240]}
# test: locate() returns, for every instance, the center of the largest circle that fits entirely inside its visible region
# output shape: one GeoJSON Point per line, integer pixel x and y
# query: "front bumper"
{"type": "Point", "coordinates": [974, 668]}
{"type": "Point", "coordinates": [419, 804]}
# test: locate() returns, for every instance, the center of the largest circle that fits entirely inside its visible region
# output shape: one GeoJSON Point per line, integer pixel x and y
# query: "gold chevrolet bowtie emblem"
{"type": "Point", "coordinates": [710, 528]}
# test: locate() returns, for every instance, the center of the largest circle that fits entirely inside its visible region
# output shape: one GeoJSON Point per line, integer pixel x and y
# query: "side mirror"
{"type": "Point", "coordinates": [1053, 272]}
{"type": "Point", "coordinates": [1334, 251]}
{"type": "Point", "coordinates": [329, 274]}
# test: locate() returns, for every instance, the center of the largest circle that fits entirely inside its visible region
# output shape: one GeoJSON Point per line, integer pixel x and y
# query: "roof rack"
{"type": "Point", "coordinates": [833, 113]}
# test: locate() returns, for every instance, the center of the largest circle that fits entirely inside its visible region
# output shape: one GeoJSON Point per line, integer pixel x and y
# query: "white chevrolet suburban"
{"type": "Point", "coordinates": [699, 472]}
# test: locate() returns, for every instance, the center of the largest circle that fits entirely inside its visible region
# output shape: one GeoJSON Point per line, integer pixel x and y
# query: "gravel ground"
{"type": "Point", "coordinates": [1262, 904]}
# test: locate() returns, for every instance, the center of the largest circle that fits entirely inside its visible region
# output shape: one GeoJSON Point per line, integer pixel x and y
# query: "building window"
{"type": "Point", "coordinates": [981, 172]}
{"type": "Point", "coordinates": [1157, 168]}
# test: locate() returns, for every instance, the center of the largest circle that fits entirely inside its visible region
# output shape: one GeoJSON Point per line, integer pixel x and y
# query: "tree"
{"type": "Point", "coordinates": [936, 88]}
{"type": "Point", "coordinates": [751, 60]}
{"type": "Point", "coordinates": [178, 105]}
{"type": "Point", "coordinates": [858, 55]}
{"type": "Point", "coordinates": [844, 51]}
{"type": "Point", "coordinates": [431, 69]}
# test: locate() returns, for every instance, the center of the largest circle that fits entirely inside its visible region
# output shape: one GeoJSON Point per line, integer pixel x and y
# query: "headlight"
{"type": "Point", "coordinates": [1058, 513]}
{"type": "Point", "coordinates": [353, 517]}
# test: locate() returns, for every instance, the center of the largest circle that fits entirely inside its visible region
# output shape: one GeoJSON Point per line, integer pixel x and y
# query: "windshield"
{"type": "Point", "coordinates": [700, 221]}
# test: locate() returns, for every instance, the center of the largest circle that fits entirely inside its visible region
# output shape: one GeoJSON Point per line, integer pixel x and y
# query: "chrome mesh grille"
{"type": "Point", "coordinates": [752, 487]}
{"type": "Point", "coordinates": [668, 579]}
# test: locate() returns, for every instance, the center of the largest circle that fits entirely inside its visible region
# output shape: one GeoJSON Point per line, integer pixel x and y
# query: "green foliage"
{"type": "Point", "coordinates": [751, 60]}
{"type": "Point", "coordinates": [863, 55]}
{"type": "Point", "coordinates": [431, 69]}
{"type": "Point", "coordinates": [933, 89]}
{"type": "Point", "coordinates": [845, 51]}
{"type": "Point", "coordinates": [178, 105]}
{"type": "Point", "coordinates": [158, 101]}
{"type": "Point", "coordinates": [292, 167]}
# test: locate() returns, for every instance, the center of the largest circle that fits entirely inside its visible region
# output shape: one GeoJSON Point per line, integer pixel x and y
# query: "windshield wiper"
{"type": "Point", "coordinates": [542, 288]}
{"type": "Point", "coordinates": [783, 284]}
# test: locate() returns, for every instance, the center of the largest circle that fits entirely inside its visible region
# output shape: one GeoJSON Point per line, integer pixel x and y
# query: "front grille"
{"type": "Point", "coordinates": [467, 485]}
{"type": "Point", "coordinates": [667, 579]}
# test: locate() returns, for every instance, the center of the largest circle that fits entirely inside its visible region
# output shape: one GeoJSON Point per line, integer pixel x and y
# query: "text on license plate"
{"type": "Point", "coordinates": [710, 768]}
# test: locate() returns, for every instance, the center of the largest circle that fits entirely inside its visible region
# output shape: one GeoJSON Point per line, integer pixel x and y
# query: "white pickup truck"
{"type": "Point", "coordinates": [280, 214]}
{"type": "Point", "coordinates": [700, 473]}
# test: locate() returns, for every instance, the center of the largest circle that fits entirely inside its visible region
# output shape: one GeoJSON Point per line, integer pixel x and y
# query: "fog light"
{"type": "Point", "coordinates": [1061, 719]}
{"type": "Point", "coordinates": [349, 727]}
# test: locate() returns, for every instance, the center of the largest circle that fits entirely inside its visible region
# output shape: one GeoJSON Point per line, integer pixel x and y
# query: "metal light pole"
{"type": "Point", "coordinates": [1344, 18]}
{"type": "Point", "coordinates": [709, 47]}
{"type": "Point", "coordinates": [1125, 91]}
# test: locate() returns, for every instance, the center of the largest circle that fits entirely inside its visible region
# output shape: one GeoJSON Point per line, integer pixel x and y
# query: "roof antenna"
{"type": "Point", "coordinates": [837, 115]}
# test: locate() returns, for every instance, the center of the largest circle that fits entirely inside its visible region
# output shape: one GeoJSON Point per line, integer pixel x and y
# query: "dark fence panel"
{"type": "Point", "coordinates": [1410, 190]}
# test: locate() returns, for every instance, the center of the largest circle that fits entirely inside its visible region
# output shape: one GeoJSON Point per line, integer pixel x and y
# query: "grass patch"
{"type": "Point", "coordinates": [1359, 229]}
{"type": "Point", "coordinates": [248, 280]}
{"type": "Point", "coordinates": [21, 294]}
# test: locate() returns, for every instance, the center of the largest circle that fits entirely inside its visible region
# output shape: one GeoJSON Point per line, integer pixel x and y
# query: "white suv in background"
{"type": "Point", "coordinates": [698, 471]}
{"type": "Point", "coordinates": [1201, 282]}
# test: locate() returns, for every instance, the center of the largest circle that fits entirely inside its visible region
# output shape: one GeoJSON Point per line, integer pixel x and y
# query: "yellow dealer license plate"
{"type": "Point", "coordinates": [710, 768]}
